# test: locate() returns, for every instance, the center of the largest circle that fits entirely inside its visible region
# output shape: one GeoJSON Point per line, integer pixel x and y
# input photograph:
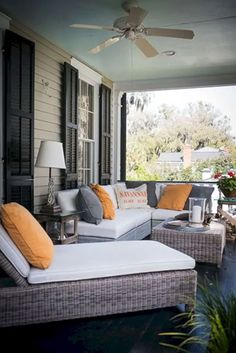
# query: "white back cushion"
{"type": "Point", "coordinates": [13, 254]}
{"type": "Point", "coordinates": [159, 189]}
{"type": "Point", "coordinates": [110, 190]}
{"type": "Point", "coordinates": [66, 199]}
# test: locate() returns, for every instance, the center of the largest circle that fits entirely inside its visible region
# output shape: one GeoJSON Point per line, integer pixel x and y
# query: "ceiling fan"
{"type": "Point", "coordinates": [131, 27]}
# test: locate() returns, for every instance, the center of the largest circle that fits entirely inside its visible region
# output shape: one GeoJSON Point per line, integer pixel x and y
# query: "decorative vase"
{"type": "Point", "coordinates": [197, 207]}
{"type": "Point", "coordinates": [228, 193]}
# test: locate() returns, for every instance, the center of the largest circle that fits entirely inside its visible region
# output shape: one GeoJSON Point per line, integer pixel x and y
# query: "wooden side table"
{"type": "Point", "coordinates": [60, 218]}
{"type": "Point", "coordinates": [228, 215]}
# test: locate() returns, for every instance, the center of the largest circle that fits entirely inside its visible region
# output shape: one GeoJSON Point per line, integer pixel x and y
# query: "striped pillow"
{"type": "Point", "coordinates": [132, 198]}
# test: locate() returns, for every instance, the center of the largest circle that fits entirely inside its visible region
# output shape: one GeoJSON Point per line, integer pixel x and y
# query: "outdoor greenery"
{"type": "Point", "coordinates": [226, 182]}
{"type": "Point", "coordinates": [150, 132]}
{"type": "Point", "coordinates": [212, 326]}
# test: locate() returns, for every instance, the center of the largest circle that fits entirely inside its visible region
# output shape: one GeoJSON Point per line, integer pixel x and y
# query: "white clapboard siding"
{"type": "Point", "coordinates": [44, 172]}
{"type": "Point", "coordinates": [47, 126]}
{"type": "Point", "coordinates": [51, 92]}
{"type": "Point", "coordinates": [47, 117]}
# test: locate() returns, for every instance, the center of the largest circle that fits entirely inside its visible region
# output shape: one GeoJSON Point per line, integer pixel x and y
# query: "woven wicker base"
{"type": "Point", "coordinates": [96, 297]}
{"type": "Point", "coordinates": [202, 246]}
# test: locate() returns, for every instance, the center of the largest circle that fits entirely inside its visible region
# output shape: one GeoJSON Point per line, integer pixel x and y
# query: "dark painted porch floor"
{"type": "Point", "coordinates": [133, 333]}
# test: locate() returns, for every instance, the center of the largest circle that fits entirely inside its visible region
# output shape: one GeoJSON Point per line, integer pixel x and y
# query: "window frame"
{"type": "Point", "coordinates": [94, 79]}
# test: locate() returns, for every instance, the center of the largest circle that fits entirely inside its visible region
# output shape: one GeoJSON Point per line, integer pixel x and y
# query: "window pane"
{"type": "Point", "coordinates": [90, 126]}
{"type": "Point", "coordinates": [83, 95]}
{"type": "Point", "coordinates": [83, 128]}
{"type": "Point", "coordinates": [90, 98]}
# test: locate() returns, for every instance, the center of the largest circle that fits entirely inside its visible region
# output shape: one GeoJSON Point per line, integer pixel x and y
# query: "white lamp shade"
{"type": "Point", "coordinates": [50, 155]}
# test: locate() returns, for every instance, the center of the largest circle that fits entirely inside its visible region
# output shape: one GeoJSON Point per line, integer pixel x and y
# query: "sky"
{"type": "Point", "coordinates": [222, 98]}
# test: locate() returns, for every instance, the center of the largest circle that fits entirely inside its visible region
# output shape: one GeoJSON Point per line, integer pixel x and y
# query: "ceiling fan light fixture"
{"type": "Point", "coordinates": [131, 27]}
{"type": "Point", "coordinates": [168, 52]}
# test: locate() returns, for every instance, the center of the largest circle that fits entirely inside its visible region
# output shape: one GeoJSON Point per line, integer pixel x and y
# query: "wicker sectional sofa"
{"type": "Point", "coordinates": [129, 224]}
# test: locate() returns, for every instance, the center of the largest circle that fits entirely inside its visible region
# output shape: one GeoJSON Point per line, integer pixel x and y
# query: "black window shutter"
{"type": "Point", "coordinates": [123, 139]}
{"type": "Point", "coordinates": [19, 120]}
{"type": "Point", "coordinates": [71, 124]}
{"type": "Point", "coordinates": [105, 135]}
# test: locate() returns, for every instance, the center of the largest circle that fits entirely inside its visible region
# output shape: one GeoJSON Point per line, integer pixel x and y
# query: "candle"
{"type": "Point", "coordinates": [196, 214]}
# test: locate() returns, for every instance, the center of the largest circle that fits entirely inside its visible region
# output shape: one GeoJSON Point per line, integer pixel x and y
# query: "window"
{"type": "Point", "coordinates": [81, 123]}
{"type": "Point", "coordinates": [86, 141]}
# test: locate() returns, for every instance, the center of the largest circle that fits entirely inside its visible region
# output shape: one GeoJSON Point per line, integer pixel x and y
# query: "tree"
{"type": "Point", "coordinates": [168, 129]}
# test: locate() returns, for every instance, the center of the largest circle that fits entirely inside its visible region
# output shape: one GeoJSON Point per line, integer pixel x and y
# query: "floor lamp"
{"type": "Point", "coordinates": [50, 156]}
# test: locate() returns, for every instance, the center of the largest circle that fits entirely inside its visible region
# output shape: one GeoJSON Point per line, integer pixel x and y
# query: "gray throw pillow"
{"type": "Point", "coordinates": [88, 202]}
{"type": "Point", "coordinates": [200, 191]}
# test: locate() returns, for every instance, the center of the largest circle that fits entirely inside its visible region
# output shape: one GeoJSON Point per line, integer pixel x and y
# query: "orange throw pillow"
{"type": "Point", "coordinates": [107, 204]}
{"type": "Point", "coordinates": [28, 235]}
{"type": "Point", "coordinates": [175, 196]}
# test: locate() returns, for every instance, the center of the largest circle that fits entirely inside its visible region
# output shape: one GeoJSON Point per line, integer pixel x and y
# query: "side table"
{"type": "Point", "coordinates": [60, 218]}
{"type": "Point", "coordinates": [205, 246]}
{"type": "Point", "coordinates": [228, 215]}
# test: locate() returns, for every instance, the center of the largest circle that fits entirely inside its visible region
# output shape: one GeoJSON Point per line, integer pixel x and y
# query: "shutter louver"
{"type": "Point", "coordinates": [19, 119]}
{"type": "Point", "coordinates": [105, 136]}
{"type": "Point", "coordinates": [71, 124]}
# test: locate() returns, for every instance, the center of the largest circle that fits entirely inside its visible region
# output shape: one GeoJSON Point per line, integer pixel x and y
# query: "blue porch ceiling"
{"type": "Point", "coordinates": [211, 52]}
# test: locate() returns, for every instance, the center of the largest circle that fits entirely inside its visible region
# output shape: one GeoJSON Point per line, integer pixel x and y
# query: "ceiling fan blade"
{"type": "Point", "coordinates": [169, 32]}
{"type": "Point", "coordinates": [147, 49]}
{"type": "Point", "coordinates": [106, 43]}
{"type": "Point", "coordinates": [136, 16]}
{"type": "Point", "coordinates": [87, 26]}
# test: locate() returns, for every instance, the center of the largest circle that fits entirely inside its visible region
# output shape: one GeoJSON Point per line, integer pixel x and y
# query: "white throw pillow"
{"type": "Point", "coordinates": [110, 190]}
{"type": "Point", "coordinates": [132, 198]}
{"type": "Point", "coordinates": [13, 254]}
{"type": "Point", "coordinates": [66, 199]}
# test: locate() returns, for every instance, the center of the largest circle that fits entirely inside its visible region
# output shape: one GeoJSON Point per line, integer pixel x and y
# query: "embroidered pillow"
{"type": "Point", "coordinates": [132, 198]}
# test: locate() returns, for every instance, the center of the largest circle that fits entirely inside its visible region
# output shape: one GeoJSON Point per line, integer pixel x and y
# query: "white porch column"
{"type": "Point", "coordinates": [117, 94]}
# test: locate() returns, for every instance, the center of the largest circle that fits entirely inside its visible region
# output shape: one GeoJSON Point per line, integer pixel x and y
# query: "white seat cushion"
{"type": "Point", "coordinates": [98, 260]}
{"type": "Point", "coordinates": [126, 219]}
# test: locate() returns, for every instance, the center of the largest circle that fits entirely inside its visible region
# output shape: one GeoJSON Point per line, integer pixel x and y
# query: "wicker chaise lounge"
{"type": "Point", "coordinates": [38, 303]}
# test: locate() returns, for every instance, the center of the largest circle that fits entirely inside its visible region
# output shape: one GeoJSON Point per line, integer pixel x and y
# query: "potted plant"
{"type": "Point", "coordinates": [212, 326]}
{"type": "Point", "coordinates": [226, 183]}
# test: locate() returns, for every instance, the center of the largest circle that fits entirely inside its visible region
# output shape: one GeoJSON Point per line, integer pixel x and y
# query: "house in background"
{"type": "Point", "coordinates": [187, 158]}
{"type": "Point", "coordinates": [52, 88]}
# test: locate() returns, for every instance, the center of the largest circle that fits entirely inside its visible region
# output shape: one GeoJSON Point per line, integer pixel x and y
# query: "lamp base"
{"type": "Point", "coordinates": [51, 209]}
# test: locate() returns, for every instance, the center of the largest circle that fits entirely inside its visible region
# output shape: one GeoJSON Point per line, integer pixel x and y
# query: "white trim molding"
{"type": "Point", "coordinates": [4, 21]}
{"type": "Point", "coordinates": [85, 73]}
{"type": "Point", "coordinates": [175, 83]}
